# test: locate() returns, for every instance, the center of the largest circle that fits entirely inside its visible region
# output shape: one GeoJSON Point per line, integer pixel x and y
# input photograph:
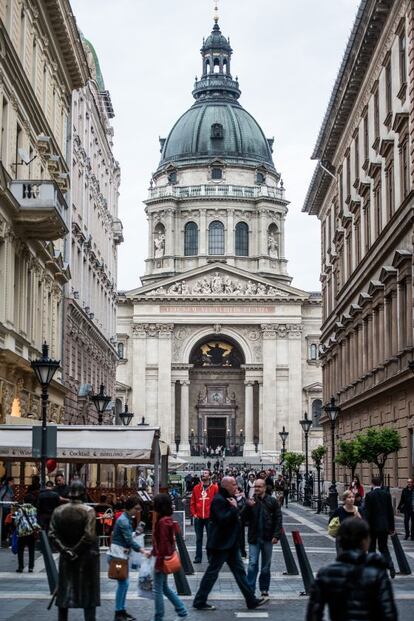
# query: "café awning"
{"type": "Point", "coordinates": [86, 443]}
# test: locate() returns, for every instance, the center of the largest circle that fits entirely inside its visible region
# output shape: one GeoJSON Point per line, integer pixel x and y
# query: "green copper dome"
{"type": "Point", "coordinates": [216, 126]}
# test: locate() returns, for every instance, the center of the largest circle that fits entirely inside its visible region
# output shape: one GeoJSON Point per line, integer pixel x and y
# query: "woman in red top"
{"type": "Point", "coordinates": [163, 539]}
{"type": "Point", "coordinates": [356, 487]}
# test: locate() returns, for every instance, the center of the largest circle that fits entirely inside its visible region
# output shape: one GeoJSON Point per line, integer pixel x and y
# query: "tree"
{"type": "Point", "coordinates": [349, 455]}
{"type": "Point", "coordinates": [317, 456]}
{"type": "Point", "coordinates": [377, 444]}
{"type": "Point", "coordinates": [293, 462]}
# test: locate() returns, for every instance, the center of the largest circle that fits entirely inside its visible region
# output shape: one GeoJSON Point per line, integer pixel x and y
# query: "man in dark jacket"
{"type": "Point", "coordinates": [223, 545]}
{"type": "Point", "coordinates": [73, 532]}
{"type": "Point", "coordinates": [380, 517]}
{"type": "Point", "coordinates": [264, 517]}
{"type": "Point", "coordinates": [47, 501]}
{"type": "Point", "coordinates": [406, 506]}
{"type": "Point", "coordinates": [356, 585]}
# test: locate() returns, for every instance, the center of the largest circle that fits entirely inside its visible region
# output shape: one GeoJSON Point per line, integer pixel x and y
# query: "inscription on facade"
{"type": "Point", "coordinates": [247, 309]}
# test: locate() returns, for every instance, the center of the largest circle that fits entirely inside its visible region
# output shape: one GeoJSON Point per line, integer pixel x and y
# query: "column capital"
{"type": "Point", "coordinates": [249, 382]}
{"type": "Point", "coordinates": [185, 382]}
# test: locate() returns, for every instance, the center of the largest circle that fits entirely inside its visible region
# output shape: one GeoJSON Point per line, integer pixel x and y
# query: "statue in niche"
{"type": "Point", "coordinates": [217, 283]}
{"type": "Point", "coordinates": [159, 245]}
{"type": "Point", "coordinates": [272, 246]}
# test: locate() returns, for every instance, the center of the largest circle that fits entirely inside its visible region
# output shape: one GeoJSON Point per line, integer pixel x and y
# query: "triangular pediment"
{"type": "Point", "coordinates": [218, 281]}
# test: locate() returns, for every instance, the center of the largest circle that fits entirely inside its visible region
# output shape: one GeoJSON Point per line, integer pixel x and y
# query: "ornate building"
{"type": "Point", "coordinates": [217, 347]}
{"type": "Point", "coordinates": [90, 301]}
{"type": "Point", "coordinates": [41, 62]}
{"type": "Point", "coordinates": [362, 192]}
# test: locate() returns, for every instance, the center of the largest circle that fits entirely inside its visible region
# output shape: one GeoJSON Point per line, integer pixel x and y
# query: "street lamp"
{"type": "Point", "coordinates": [177, 442]}
{"type": "Point", "coordinates": [283, 436]}
{"type": "Point", "coordinates": [44, 369]}
{"type": "Point", "coordinates": [306, 424]}
{"type": "Point", "coordinates": [332, 411]}
{"type": "Point", "coordinates": [126, 416]}
{"type": "Point", "coordinates": [101, 401]}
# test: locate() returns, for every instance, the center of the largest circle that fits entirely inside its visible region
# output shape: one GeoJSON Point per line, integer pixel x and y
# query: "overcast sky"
{"type": "Point", "coordinates": [286, 56]}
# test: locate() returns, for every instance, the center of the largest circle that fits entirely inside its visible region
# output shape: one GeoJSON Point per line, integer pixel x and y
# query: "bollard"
{"type": "Point", "coordinates": [184, 556]}
{"type": "Point", "coordinates": [402, 561]}
{"type": "Point", "coordinates": [305, 568]}
{"type": "Point", "coordinates": [181, 583]}
{"type": "Point", "coordinates": [50, 565]}
{"type": "Point", "coordinates": [291, 567]}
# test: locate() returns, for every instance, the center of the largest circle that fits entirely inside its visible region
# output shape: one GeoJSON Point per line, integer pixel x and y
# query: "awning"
{"type": "Point", "coordinates": [84, 443]}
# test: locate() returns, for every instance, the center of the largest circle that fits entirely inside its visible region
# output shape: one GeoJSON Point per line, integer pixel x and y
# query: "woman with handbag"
{"type": "Point", "coordinates": [122, 543]}
{"type": "Point", "coordinates": [346, 511]}
{"type": "Point", "coordinates": [167, 559]}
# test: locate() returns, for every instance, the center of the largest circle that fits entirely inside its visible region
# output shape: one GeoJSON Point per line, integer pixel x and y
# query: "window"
{"type": "Point", "coordinates": [316, 413]}
{"type": "Point", "coordinates": [348, 176]}
{"type": "Point", "coordinates": [217, 131]}
{"type": "Point", "coordinates": [378, 209]}
{"type": "Point", "coordinates": [172, 177]}
{"type": "Point", "coordinates": [260, 177]}
{"type": "Point", "coordinates": [405, 170]}
{"type": "Point", "coordinates": [216, 173]}
{"type": "Point", "coordinates": [190, 239]}
{"type": "Point", "coordinates": [357, 155]}
{"type": "Point", "coordinates": [341, 192]}
{"type": "Point", "coordinates": [349, 254]}
{"type": "Point", "coordinates": [242, 239]}
{"type": "Point", "coordinates": [402, 44]}
{"type": "Point", "coordinates": [313, 352]}
{"type": "Point", "coordinates": [357, 232]}
{"type": "Point", "coordinates": [216, 238]}
{"type": "Point", "coordinates": [376, 115]}
{"type": "Point", "coordinates": [366, 138]}
{"type": "Point", "coordinates": [367, 226]}
{"type": "Point", "coordinates": [4, 130]}
{"type": "Point", "coordinates": [388, 88]}
{"type": "Point", "coordinates": [389, 189]}
{"type": "Point", "coordinates": [121, 351]}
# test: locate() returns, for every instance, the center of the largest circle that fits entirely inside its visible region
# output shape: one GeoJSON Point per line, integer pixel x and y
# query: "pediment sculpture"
{"type": "Point", "coordinates": [218, 284]}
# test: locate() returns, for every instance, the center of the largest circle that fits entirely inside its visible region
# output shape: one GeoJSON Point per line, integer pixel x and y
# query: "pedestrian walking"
{"type": "Point", "coordinates": [380, 517]}
{"type": "Point", "coordinates": [264, 518]}
{"type": "Point", "coordinates": [356, 487]}
{"type": "Point", "coordinates": [47, 501]}
{"type": "Point", "coordinates": [250, 485]}
{"type": "Point", "coordinates": [163, 540]}
{"type": "Point", "coordinates": [346, 511]}
{"type": "Point", "coordinates": [27, 528]}
{"type": "Point", "coordinates": [73, 532]}
{"type": "Point", "coordinates": [223, 546]}
{"type": "Point", "coordinates": [122, 543]}
{"type": "Point", "coordinates": [200, 503]}
{"type": "Point", "coordinates": [406, 506]}
{"type": "Point", "coordinates": [356, 585]}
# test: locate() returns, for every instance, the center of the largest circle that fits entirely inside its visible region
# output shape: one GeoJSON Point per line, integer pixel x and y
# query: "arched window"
{"type": "Point", "coordinates": [121, 351]}
{"type": "Point", "coordinates": [217, 130]}
{"type": "Point", "coordinates": [216, 238]}
{"type": "Point", "coordinates": [242, 240]}
{"type": "Point", "coordinates": [316, 413]}
{"type": "Point", "coordinates": [190, 239]}
{"type": "Point", "coordinates": [313, 352]}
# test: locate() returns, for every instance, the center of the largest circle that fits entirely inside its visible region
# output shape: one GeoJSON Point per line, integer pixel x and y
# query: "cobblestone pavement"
{"type": "Point", "coordinates": [25, 596]}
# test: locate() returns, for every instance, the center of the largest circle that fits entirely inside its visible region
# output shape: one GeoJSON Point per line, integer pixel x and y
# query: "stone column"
{"type": "Point", "coordinates": [170, 241]}
{"type": "Point", "coordinates": [370, 328]}
{"type": "Point", "coordinates": [138, 371]}
{"type": "Point", "coordinates": [184, 444]}
{"type": "Point", "coordinates": [229, 239]}
{"type": "Point", "coordinates": [248, 418]}
{"type": "Point", "coordinates": [202, 233]}
{"type": "Point", "coordinates": [164, 382]}
{"type": "Point", "coordinates": [409, 302]}
{"type": "Point", "coordinates": [260, 446]}
{"type": "Point", "coordinates": [295, 386]}
{"type": "Point", "coordinates": [394, 324]}
{"type": "Point", "coordinates": [269, 388]}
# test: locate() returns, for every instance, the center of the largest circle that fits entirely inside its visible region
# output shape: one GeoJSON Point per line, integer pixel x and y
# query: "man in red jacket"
{"type": "Point", "coordinates": [203, 494]}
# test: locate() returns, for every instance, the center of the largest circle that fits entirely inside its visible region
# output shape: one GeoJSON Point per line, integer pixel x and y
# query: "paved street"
{"type": "Point", "coordinates": [26, 596]}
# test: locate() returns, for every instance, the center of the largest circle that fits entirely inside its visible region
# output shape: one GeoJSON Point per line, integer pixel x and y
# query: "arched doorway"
{"type": "Point", "coordinates": [216, 397]}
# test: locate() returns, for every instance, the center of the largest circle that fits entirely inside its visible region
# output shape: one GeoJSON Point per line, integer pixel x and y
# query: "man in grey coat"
{"type": "Point", "coordinates": [73, 532]}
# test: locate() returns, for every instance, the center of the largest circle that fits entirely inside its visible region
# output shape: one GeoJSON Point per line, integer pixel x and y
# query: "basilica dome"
{"type": "Point", "coordinates": [216, 126]}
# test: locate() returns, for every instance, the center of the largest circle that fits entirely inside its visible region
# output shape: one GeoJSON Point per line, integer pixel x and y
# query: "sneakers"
{"type": "Point", "coordinates": [196, 561]}
{"type": "Point", "coordinates": [265, 594]}
{"type": "Point", "coordinates": [259, 602]}
{"type": "Point", "coordinates": [205, 607]}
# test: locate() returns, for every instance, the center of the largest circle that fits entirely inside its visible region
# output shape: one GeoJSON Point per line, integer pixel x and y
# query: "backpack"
{"type": "Point", "coordinates": [26, 524]}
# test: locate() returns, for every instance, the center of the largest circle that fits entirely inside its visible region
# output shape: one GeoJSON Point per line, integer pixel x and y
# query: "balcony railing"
{"type": "Point", "coordinates": [217, 191]}
{"type": "Point", "coordinates": [42, 207]}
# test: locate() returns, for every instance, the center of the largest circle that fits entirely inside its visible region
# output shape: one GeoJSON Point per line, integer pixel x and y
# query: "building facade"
{"type": "Point", "coordinates": [41, 62]}
{"type": "Point", "coordinates": [361, 192]}
{"type": "Point", "coordinates": [95, 231]}
{"type": "Point", "coordinates": [216, 346]}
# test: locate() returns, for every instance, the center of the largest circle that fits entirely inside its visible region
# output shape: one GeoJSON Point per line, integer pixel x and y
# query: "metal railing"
{"type": "Point", "coordinates": [216, 191]}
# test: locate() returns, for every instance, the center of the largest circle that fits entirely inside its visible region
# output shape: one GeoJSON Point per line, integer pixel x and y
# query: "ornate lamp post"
{"type": "Point", "coordinates": [283, 436]}
{"type": "Point", "coordinates": [44, 369]}
{"type": "Point", "coordinates": [101, 401]}
{"type": "Point", "coordinates": [177, 442]}
{"type": "Point", "coordinates": [332, 411]}
{"type": "Point", "coordinates": [126, 416]}
{"type": "Point", "coordinates": [306, 424]}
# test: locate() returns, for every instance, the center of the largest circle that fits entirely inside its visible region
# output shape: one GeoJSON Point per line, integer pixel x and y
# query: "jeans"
{"type": "Point", "coordinates": [199, 526]}
{"type": "Point", "coordinates": [409, 515]}
{"type": "Point", "coordinates": [285, 498]}
{"type": "Point", "coordinates": [22, 542]}
{"type": "Point", "coordinates": [89, 614]}
{"type": "Point", "coordinates": [382, 538]}
{"type": "Point", "coordinates": [161, 588]}
{"type": "Point", "coordinates": [121, 593]}
{"type": "Point", "coordinates": [263, 548]}
{"type": "Point", "coordinates": [217, 558]}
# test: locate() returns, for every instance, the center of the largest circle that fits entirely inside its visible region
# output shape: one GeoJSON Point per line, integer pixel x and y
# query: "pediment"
{"type": "Point", "coordinates": [218, 281]}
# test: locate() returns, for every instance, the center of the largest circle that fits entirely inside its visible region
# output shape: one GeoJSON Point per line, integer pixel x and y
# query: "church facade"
{"type": "Point", "coordinates": [216, 346]}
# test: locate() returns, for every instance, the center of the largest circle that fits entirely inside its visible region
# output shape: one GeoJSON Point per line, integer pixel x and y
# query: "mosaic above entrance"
{"type": "Point", "coordinates": [216, 354]}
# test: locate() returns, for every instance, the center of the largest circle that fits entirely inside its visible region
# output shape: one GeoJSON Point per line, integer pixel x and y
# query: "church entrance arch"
{"type": "Point", "coordinates": [216, 397]}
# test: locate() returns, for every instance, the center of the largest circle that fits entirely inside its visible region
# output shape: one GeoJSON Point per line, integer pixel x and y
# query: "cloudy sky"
{"type": "Point", "coordinates": [286, 56]}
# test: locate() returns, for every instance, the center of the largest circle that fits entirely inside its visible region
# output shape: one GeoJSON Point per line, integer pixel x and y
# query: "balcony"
{"type": "Point", "coordinates": [216, 191]}
{"type": "Point", "coordinates": [41, 209]}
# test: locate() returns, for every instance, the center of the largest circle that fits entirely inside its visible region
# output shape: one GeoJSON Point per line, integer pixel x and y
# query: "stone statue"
{"type": "Point", "coordinates": [272, 246]}
{"type": "Point", "coordinates": [228, 285]}
{"type": "Point", "coordinates": [251, 288]}
{"type": "Point", "coordinates": [217, 283]}
{"type": "Point", "coordinates": [205, 286]}
{"type": "Point", "coordinates": [159, 244]}
{"type": "Point", "coordinates": [261, 289]}
{"type": "Point", "coordinates": [184, 288]}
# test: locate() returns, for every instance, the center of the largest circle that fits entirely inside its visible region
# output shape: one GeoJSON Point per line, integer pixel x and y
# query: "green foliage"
{"type": "Point", "coordinates": [349, 455]}
{"type": "Point", "coordinates": [376, 444]}
{"type": "Point", "coordinates": [293, 461]}
{"type": "Point", "coordinates": [317, 455]}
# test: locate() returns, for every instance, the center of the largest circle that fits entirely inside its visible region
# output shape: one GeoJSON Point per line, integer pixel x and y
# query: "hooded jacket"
{"type": "Point", "coordinates": [355, 587]}
{"type": "Point", "coordinates": [201, 500]}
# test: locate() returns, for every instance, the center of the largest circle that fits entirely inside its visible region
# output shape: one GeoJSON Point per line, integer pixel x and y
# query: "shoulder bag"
{"type": "Point", "coordinates": [118, 569]}
{"type": "Point", "coordinates": [333, 526]}
{"type": "Point", "coordinates": [172, 564]}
